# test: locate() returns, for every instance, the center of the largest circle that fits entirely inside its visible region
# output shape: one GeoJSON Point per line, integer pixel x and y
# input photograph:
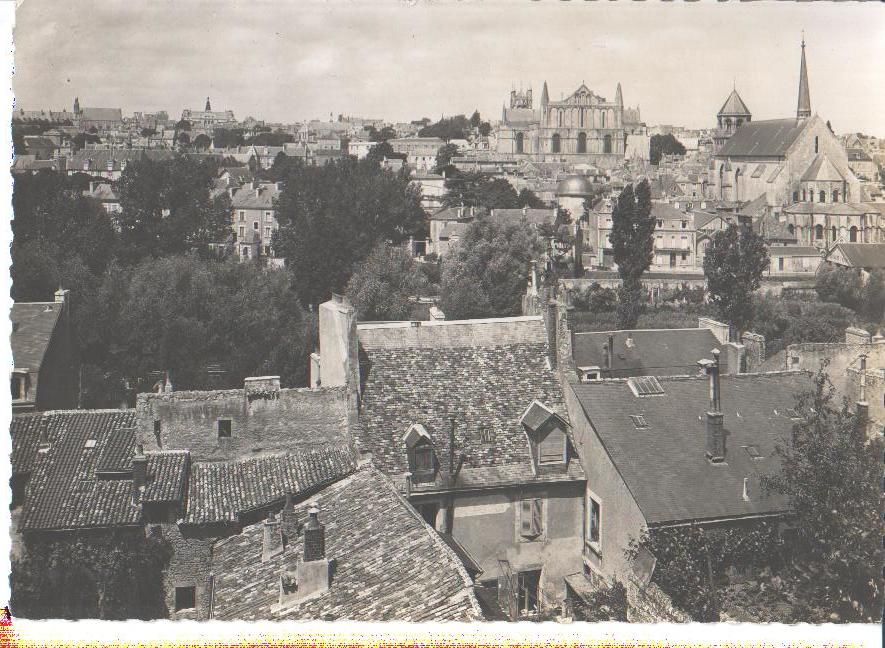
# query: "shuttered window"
{"type": "Point", "coordinates": [530, 517]}
{"type": "Point", "coordinates": [552, 448]}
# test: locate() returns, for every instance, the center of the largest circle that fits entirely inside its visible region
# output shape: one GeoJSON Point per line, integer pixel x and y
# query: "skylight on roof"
{"type": "Point", "coordinates": [90, 443]}
{"type": "Point", "coordinates": [645, 386]}
{"type": "Point", "coordinates": [753, 451]}
{"type": "Point", "coordinates": [639, 421]}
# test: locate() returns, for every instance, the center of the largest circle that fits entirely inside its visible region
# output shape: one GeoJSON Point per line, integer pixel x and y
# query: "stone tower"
{"type": "Point", "coordinates": [76, 105]}
{"type": "Point", "coordinates": [208, 105]}
{"type": "Point", "coordinates": [803, 110]}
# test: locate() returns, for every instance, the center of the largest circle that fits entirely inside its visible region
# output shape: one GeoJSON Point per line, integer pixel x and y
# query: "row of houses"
{"type": "Point", "coordinates": [446, 470]}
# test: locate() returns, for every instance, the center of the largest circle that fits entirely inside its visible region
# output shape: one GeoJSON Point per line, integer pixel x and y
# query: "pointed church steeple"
{"type": "Point", "coordinates": [619, 98]}
{"type": "Point", "coordinates": [803, 111]}
{"type": "Point", "coordinates": [208, 105]}
{"type": "Point", "coordinates": [76, 105]}
{"type": "Point", "coordinates": [545, 96]}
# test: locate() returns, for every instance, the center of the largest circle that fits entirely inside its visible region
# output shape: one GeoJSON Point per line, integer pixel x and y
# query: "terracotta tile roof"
{"type": "Point", "coordinates": [388, 563]}
{"type": "Point", "coordinates": [117, 451]}
{"type": "Point", "coordinates": [65, 490]}
{"type": "Point", "coordinates": [655, 352]}
{"type": "Point", "coordinates": [665, 466]}
{"type": "Point", "coordinates": [482, 387]}
{"type": "Point", "coordinates": [26, 430]}
{"type": "Point", "coordinates": [220, 492]}
{"type": "Point", "coordinates": [33, 324]}
{"type": "Point", "coordinates": [768, 138]}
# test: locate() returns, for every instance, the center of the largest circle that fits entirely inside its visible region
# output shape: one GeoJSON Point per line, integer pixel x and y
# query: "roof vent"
{"type": "Point", "coordinates": [90, 443]}
{"type": "Point", "coordinates": [639, 421]}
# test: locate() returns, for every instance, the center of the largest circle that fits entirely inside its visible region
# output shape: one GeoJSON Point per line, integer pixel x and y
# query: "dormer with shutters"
{"type": "Point", "coordinates": [423, 463]}
{"type": "Point", "coordinates": [548, 439]}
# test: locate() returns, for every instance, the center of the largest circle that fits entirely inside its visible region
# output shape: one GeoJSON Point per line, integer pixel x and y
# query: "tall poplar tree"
{"type": "Point", "coordinates": [632, 240]}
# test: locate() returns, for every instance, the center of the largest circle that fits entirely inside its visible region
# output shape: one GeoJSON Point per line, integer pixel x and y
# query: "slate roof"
{"type": "Point", "coordinates": [665, 466]}
{"type": "Point", "coordinates": [388, 563]}
{"type": "Point", "coordinates": [220, 492]}
{"type": "Point", "coordinates": [655, 352]}
{"type": "Point", "coordinates": [440, 372]}
{"type": "Point", "coordinates": [862, 255]}
{"type": "Point", "coordinates": [65, 490]}
{"type": "Point", "coordinates": [98, 159]}
{"type": "Point", "coordinates": [249, 198]}
{"type": "Point", "coordinates": [822, 170]}
{"type": "Point", "coordinates": [33, 324]}
{"type": "Point", "coordinates": [841, 209]}
{"type": "Point", "coordinates": [734, 105]}
{"type": "Point", "coordinates": [25, 430]}
{"type": "Point", "coordinates": [768, 138]}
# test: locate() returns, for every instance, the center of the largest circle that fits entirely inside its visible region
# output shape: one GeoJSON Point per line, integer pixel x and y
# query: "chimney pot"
{"type": "Point", "coordinates": [139, 474]}
{"type": "Point", "coordinates": [314, 537]}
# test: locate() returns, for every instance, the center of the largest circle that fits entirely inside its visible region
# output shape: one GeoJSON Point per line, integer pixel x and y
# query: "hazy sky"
{"type": "Point", "coordinates": [284, 61]}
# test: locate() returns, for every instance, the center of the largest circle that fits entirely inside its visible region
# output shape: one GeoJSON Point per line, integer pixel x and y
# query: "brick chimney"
{"type": "Point", "coordinates": [715, 428]}
{"type": "Point", "coordinates": [139, 474]}
{"type": "Point", "coordinates": [551, 325]}
{"type": "Point", "coordinates": [314, 537]}
{"type": "Point", "coordinates": [609, 351]}
{"type": "Point", "coordinates": [272, 538]}
{"type": "Point", "coordinates": [339, 346]}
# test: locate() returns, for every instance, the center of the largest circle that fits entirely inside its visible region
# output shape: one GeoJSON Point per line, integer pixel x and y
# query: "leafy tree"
{"type": "Point", "coordinates": [528, 198]}
{"type": "Point", "coordinates": [790, 321]}
{"type": "Point", "coordinates": [831, 472]}
{"type": "Point", "coordinates": [183, 125]}
{"type": "Point", "coordinates": [486, 274]}
{"type": "Point", "coordinates": [662, 145]}
{"type": "Point", "coordinates": [386, 133]}
{"type": "Point", "coordinates": [332, 217]}
{"type": "Point", "coordinates": [839, 284]}
{"type": "Point", "coordinates": [485, 128]}
{"type": "Point", "coordinates": [202, 142]}
{"type": "Point", "coordinates": [80, 140]}
{"type": "Point", "coordinates": [479, 190]}
{"type": "Point", "coordinates": [734, 264]}
{"type": "Point", "coordinates": [227, 137]}
{"type": "Point", "coordinates": [873, 298]}
{"type": "Point", "coordinates": [383, 151]}
{"type": "Point", "coordinates": [77, 577]}
{"type": "Point", "coordinates": [444, 157]}
{"type": "Point", "coordinates": [632, 240]}
{"type": "Point", "coordinates": [166, 208]}
{"type": "Point", "coordinates": [183, 138]}
{"type": "Point", "coordinates": [270, 139]}
{"type": "Point", "coordinates": [447, 128]}
{"type": "Point", "coordinates": [382, 285]}
{"type": "Point", "coordinates": [475, 119]}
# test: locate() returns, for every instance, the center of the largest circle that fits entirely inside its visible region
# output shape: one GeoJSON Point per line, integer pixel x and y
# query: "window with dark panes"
{"type": "Point", "coordinates": [224, 428]}
{"type": "Point", "coordinates": [185, 598]}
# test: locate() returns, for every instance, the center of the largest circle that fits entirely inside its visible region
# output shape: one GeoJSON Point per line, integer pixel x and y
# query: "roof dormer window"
{"type": "Point", "coordinates": [421, 455]}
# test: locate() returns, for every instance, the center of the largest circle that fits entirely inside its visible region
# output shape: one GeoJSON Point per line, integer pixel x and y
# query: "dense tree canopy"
{"type": "Point", "coordinates": [381, 286]}
{"type": "Point", "coordinates": [332, 217]}
{"type": "Point", "coordinates": [487, 272]}
{"type": "Point", "coordinates": [632, 241]}
{"type": "Point", "coordinates": [444, 158]}
{"type": "Point", "coordinates": [227, 137]}
{"type": "Point", "coordinates": [733, 265]}
{"type": "Point", "coordinates": [479, 190]}
{"type": "Point", "coordinates": [662, 145]}
{"type": "Point", "coordinates": [447, 128]}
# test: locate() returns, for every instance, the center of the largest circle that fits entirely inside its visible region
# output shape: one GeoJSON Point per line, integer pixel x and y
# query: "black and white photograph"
{"type": "Point", "coordinates": [447, 311]}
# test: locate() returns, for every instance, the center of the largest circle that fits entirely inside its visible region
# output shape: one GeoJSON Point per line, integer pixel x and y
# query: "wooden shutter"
{"type": "Point", "coordinates": [553, 447]}
{"type": "Point", "coordinates": [525, 518]}
{"type": "Point", "coordinates": [537, 525]}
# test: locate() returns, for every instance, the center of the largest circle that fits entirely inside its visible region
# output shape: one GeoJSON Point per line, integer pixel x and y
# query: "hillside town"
{"type": "Point", "coordinates": [554, 363]}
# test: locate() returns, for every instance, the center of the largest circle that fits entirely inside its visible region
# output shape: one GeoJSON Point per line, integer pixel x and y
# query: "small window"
{"type": "Point", "coordinates": [780, 263]}
{"type": "Point", "coordinates": [423, 459]}
{"type": "Point", "coordinates": [552, 447]}
{"type": "Point", "coordinates": [242, 216]}
{"type": "Point", "coordinates": [268, 232]}
{"type": "Point", "coordinates": [486, 434]}
{"type": "Point", "coordinates": [224, 428]}
{"type": "Point", "coordinates": [255, 225]}
{"type": "Point", "coordinates": [685, 223]}
{"type": "Point", "coordinates": [242, 232]}
{"type": "Point", "coordinates": [530, 522]}
{"type": "Point", "coordinates": [185, 598]}
{"type": "Point", "coordinates": [593, 521]}
{"type": "Point", "coordinates": [268, 216]}
{"type": "Point", "coordinates": [753, 451]}
{"type": "Point", "coordinates": [639, 421]}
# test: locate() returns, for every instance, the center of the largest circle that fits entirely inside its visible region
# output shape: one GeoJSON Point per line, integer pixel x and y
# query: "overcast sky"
{"type": "Point", "coordinates": [405, 60]}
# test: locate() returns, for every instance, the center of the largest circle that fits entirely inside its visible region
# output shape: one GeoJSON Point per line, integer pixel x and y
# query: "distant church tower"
{"type": "Point", "coordinates": [76, 105]}
{"type": "Point", "coordinates": [733, 114]}
{"type": "Point", "coordinates": [208, 105]}
{"type": "Point", "coordinates": [803, 111]}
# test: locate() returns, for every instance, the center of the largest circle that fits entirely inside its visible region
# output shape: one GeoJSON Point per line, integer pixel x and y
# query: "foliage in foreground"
{"type": "Point", "coordinates": [381, 286]}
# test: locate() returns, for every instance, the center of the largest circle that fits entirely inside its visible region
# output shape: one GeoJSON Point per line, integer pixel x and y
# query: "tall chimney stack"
{"type": "Point", "coordinates": [339, 345]}
{"type": "Point", "coordinates": [139, 474]}
{"type": "Point", "coordinates": [714, 427]}
{"type": "Point", "coordinates": [314, 537]}
{"type": "Point", "coordinates": [609, 351]}
{"type": "Point", "coordinates": [862, 406]}
{"type": "Point", "coordinates": [272, 539]}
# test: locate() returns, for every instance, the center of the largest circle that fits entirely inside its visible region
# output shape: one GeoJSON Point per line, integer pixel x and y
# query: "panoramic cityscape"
{"type": "Point", "coordinates": [330, 333]}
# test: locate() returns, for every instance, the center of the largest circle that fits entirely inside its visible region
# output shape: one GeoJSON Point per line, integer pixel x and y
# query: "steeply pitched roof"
{"type": "Point", "coordinates": [388, 563]}
{"type": "Point", "coordinates": [734, 105]}
{"type": "Point", "coordinates": [481, 381]}
{"type": "Point", "coordinates": [664, 465]}
{"type": "Point", "coordinates": [33, 324]}
{"type": "Point", "coordinates": [822, 170]}
{"type": "Point", "coordinates": [769, 138]}
{"type": "Point", "coordinates": [221, 491]}
{"type": "Point", "coordinates": [65, 490]}
{"type": "Point", "coordinates": [261, 198]}
{"type": "Point", "coordinates": [654, 352]}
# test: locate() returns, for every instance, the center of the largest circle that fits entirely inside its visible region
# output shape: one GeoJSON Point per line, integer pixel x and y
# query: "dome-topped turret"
{"type": "Point", "coordinates": [574, 185]}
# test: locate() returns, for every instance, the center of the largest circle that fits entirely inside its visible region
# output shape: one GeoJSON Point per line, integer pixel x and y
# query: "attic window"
{"type": "Point", "coordinates": [753, 451]}
{"type": "Point", "coordinates": [645, 386]}
{"type": "Point", "coordinates": [639, 421]}
{"type": "Point", "coordinates": [486, 434]}
{"type": "Point", "coordinates": [224, 428]}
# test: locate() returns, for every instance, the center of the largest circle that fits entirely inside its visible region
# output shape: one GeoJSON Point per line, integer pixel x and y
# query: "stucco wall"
{"type": "Point", "coordinates": [621, 519]}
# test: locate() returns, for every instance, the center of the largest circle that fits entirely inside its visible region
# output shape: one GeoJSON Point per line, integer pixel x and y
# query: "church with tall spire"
{"type": "Point", "coordinates": [583, 127]}
{"type": "Point", "coordinates": [794, 171]}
